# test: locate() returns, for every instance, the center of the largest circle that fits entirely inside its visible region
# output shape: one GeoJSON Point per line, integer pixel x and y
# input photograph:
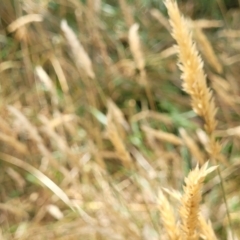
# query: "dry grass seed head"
{"type": "Point", "coordinates": [45, 79]}
{"type": "Point", "coordinates": [135, 47]}
{"type": "Point", "coordinates": [190, 202]}
{"type": "Point", "coordinates": [117, 141]}
{"type": "Point", "coordinates": [190, 63]}
{"type": "Point", "coordinates": [80, 56]}
{"type": "Point", "coordinates": [206, 229]}
{"type": "Point", "coordinates": [168, 218]}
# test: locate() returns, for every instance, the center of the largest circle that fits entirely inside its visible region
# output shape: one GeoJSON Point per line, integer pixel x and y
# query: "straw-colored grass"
{"type": "Point", "coordinates": [98, 139]}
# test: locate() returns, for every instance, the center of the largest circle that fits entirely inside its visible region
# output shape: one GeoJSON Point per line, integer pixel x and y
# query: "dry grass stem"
{"type": "Point", "coordinates": [135, 47]}
{"type": "Point", "coordinates": [163, 136]}
{"type": "Point", "coordinates": [161, 19]}
{"type": "Point", "coordinates": [59, 71]}
{"type": "Point", "coordinates": [205, 23]}
{"type": "Point", "coordinates": [207, 50]}
{"type": "Point", "coordinates": [142, 161]}
{"type": "Point", "coordinates": [39, 175]}
{"type": "Point", "coordinates": [127, 14]}
{"type": "Point", "coordinates": [20, 22]}
{"type": "Point", "coordinates": [163, 118]}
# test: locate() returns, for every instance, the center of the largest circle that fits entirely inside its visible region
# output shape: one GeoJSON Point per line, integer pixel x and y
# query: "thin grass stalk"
{"type": "Point", "coordinates": [161, 18]}
{"type": "Point", "coordinates": [192, 146]}
{"type": "Point", "coordinates": [207, 49]}
{"type": "Point", "coordinates": [118, 142]}
{"type": "Point", "coordinates": [135, 47]}
{"type": "Point", "coordinates": [163, 136]}
{"type": "Point", "coordinates": [127, 14]}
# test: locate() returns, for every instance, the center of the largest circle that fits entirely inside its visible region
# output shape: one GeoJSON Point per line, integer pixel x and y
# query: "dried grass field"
{"type": "Point", "coordinates": [119, 120]}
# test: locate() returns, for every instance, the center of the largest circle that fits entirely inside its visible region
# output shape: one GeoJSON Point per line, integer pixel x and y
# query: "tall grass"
{"type": "Point", "coordinates": [102, 137]}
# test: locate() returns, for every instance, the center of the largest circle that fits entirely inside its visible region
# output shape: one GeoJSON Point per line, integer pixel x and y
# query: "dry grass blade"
{"type": "Point", "coordinates": [59, 71]}
{"type": "Point", "coordinates": [143, 163]}
{"type": "Point", "coordinates": [39, 175]}
{"type": "Point", "coordinates": [19, 180]}
{"type": "Point", "coordinates": [117, 141]}
{"type": "Point", "coordinates": [207, 50]}
{"type": "Point", "coordinates": [126, 10]}
{"type": "Point", "coordinates": [23, 21]}
{"type": "Point", "coordinates": [136, 50]}
{"type": "Point", "coordinates": [163, 136]}
{"type": "Point", "coordinates": [26, 124]}
{"type": "Point", "coordinates": [192, 146]}
{"type": "Point", "coordinates": [161, 117]}
{"type": "Point", "coordinates": [21, 148]}
{"type": "Point", "coordinates": [45, 79]}
{"type": "Point", "coordinates": [205, 23]}
{"type": "Point", "coordinates": [173, 193]}
{"type": "Point", "coordinates": [8, 65]}
{"type": "Point", "coordinates": [117, 115]}
{"type": "Point", "coordinates": [48, 130]}
{"type": "Point", "coordinates": [14, 209]}
{"type": "Point", "coordinates": [161, 18]}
